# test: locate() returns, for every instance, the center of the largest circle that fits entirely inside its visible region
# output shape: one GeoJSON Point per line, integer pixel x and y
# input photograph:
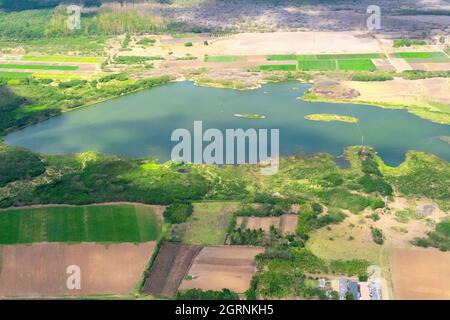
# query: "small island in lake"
{"type": "Point", "coordinates": [330, 117]}
{"type": "Point", "coordinates": [250, 115]}
{"type": "Point", "coordinates": [445, 139]}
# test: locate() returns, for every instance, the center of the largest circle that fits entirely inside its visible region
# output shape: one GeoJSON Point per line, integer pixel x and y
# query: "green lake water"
{"type": "Point", "coordinates": [141, 124]}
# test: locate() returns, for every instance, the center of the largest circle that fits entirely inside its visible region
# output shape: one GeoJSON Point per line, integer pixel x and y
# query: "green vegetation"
{"type": "Point", "coordinates": [371, 76]}
{"type": "Point", "coordinates": [37, 67]}
{"type": "Point", "coordinates": [280, 67]}
{"type": "Point", "coordinates": [439, 238]}
{"type": "Point", "coordinates": [178, 212]}
{"type": "Point", "coordinates": [15, 75]}
{"type": "Point", "coordinates": [282, 57]}
{"type": "Point", "coordinates": [135, 59]}
{"type": "Point", "coordinates": [414, 177]}
{"type": "Point", "coordinates": [198, 294]}
{"type": "Point", "coordinates": [284, 273]}
{"type": "Point", "coordinates": [188, 44]}
{"type": "Point", "coordinates": [429, 56]}
{"type": "Point", "coordinates": [18, 164]}
{"type": "Point", "coordinates": [75, 59]}
{"type": "Point", "coordinates": [146, 41]}
{"type": "Point", "coordinates": [421, 74]}
{"type": "Point", "coordinates": [317, 65]}
{"type": "Point", "coordinates": [208, 223]}
{"type": "Point", "coordinates": [124, 223]}
{"type": "Point", "coordinates": [356, 64]}
{"type": "Point", "coordinates": [404, 216]}
{"type": "Point", "coordinates": [404, 42]}
{"type": "Point", "coordinates": [219, 58]}
{"type": "Point", "coordinates": [330, 117]}
{"type": "Point", "coordinates": [377, 235]}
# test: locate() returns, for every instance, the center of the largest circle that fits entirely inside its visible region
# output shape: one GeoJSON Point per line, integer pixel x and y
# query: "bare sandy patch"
{"type": "Point", "coordinates": [215, 268]}
{"type": "Point", "coordinates": [422, 274]}
{"type": "Point", "coordinates": [39, 270]}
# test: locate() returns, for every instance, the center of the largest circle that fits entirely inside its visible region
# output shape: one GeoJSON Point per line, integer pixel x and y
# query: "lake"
{"type": "Point", "coordinates": [141, 124]}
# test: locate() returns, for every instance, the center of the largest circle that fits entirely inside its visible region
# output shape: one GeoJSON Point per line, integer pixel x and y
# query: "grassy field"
{"type": "Point", "coordinates": [356, 65]}
{"type": "Point", "coordinates": [14, 75]}
{"type": "Point", "coordinates": [209, 222]}
{"type": "Point", "coordinates": [219, 59]}
{"type": "Point", "coordinates": [430, 56]}
{"type": "Point", "coordinates": [37, 67]}
{"type": "Point", "coordinates": [320, 65]}
{"type": "Point", "coordinates": [121, 223]}
{"type": "Point", "coordinates": [280, 67]}
{"type": "Point", "coordinates": [75, 59]}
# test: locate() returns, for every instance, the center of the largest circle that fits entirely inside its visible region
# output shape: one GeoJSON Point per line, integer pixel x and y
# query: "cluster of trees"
{"type": "Point", "coordinates": [371, 76]}
{"type": "Point", "coordinates": [198, 294]}
{"type": "Point", "coordinates": [421, 74]}
{"type": "Point", "coordinates": [135, 59]}
{"type": "Point", "coordinates": [178, 212]}
{"type": "Point", "coordinates": [377, 235]}
{"type": "Point", "coordinates": [439, 238]}
{"type": "Point", "coordinates": [404, 42]}
{"type": "Point", "coordinates": [17, 164]}
{"type": "Point", "coordinates": [373, 180]}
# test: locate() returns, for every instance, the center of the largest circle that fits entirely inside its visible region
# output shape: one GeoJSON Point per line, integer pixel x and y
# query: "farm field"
{"type": "Point", "coordinates": [422, 274]}
{"type": "Point", "coordinates": [317, 65]}
{"type": "Point", "coordinates": [37, 67]}
{"type": "Point", "coordinates": [428, 56]}
{"type": "Point", "coordinates": [75, 59]}
{"type": "Point", "coordinates": [169, 268]}
{"type": "Point", "coordinates": [356, 65]}
{"type": "Point", "coordinates": [215, 268]}
{"type": "Point", "coordinates": [281, 67]}
{"type": "Point", "coordinates": [109, 223]}
{"type": "Point", "coordinates": [219, 59]}
{"type": "Point", "coordinates": [39, 270]}
{"type": "Point", "coordinates": [287, 223]}
{"type": "Point", "coordinates": [14, 75]}
{"type": "Point", "coordinates": [208, 223]}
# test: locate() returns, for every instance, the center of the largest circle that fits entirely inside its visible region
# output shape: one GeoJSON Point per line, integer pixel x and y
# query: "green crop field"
{"type": "Point", "coordinates": [75, 59]}
{"type": "Point", "coordinates": [356, 65]}
{"type": "Point", "coordinates": [351, 56]}
{"type": "Point", "coordinates": [110, 223]}
{"type": "Point", "coordinates": [209, 223]}
{"type": "Point", "coordinates": [421, 55]}
{"type": "Point", "coordinates": [319, 65]}
{"type": "Point", "coordinates": [36, 67]}
{"type": "Point", "coordinates": [282, 57]}
{"type": "Point", "coordinates": [280, 67]}
{"type": "Point", "coordinates": [14, 75]}
{"type": "Point", "coordinates": [220, 59]}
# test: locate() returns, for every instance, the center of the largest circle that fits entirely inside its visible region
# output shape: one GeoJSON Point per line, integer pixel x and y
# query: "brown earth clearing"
{"type": "Point", "coordinates": [40, 270]}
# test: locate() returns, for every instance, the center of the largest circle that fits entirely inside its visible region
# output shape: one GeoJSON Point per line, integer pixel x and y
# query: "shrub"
{"type": "Point", "coordinates": [178, 212]}
{"type": "Point", "coordinates": [188, 44]}
{"type": "Point", "coordinates": [377, 236]}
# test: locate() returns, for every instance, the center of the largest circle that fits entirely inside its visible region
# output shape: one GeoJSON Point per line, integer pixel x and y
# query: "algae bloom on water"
{"type": "Point", "coordinates": [326, 117]}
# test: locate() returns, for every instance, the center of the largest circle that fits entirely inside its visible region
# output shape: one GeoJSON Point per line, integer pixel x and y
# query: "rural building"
{"type": "Point", "coordinates": [343, 288]}
{"type": "Point", "coordinates": [354, 289]}
{"type": "Point", "coordinates": [364, 291]}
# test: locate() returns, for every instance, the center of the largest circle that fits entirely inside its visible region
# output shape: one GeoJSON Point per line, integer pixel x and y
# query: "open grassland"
{"type": "Point", "coordinates": [74, 59]}
{"type": "Point", "coordinates": [37, 67]}
{"type": "Point", "coordinates": [208, 223]}
{"type": "Point", "coordinates": [40, 269]}
{"type": "Point", "coordinates": [114, 223]}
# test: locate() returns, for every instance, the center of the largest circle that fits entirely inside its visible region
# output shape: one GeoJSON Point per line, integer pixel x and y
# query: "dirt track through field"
{"type": "Point", "coordinates": [40, 270]}
{"type": "Point", "coordinates": [169, 269]}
